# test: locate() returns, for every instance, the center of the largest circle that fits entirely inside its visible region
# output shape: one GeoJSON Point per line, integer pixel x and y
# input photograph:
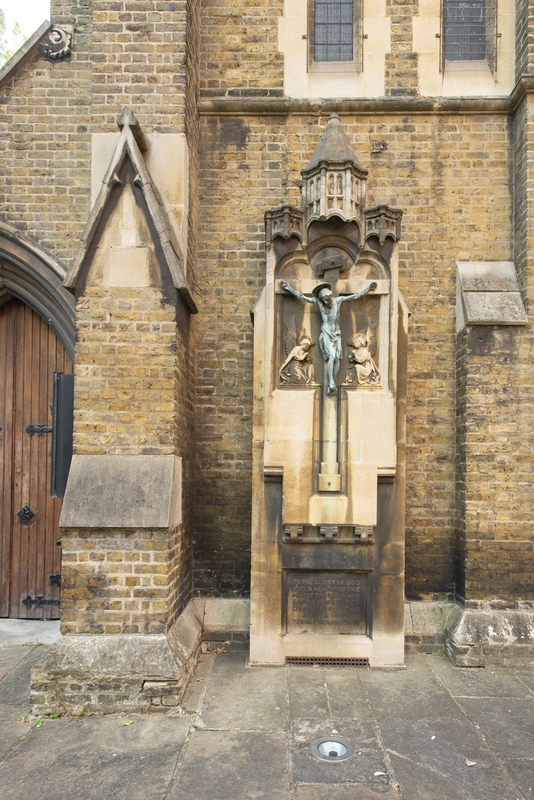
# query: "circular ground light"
{"type": "Point", "coordinates": [332, 749]}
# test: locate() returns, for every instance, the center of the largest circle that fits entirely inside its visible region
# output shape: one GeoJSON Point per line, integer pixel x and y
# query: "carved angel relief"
{"type": "Point", "coordinates": [298, 366]}
{"type": "Point", "coordinates": [363, 369]}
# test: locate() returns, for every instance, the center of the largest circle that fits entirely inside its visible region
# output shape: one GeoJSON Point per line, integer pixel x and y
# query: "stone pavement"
{"type": "Point", "coordinates": [430, 732]}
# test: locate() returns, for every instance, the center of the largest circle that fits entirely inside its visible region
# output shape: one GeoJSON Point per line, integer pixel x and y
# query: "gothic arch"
{"type": "Point", "coordinates": [36, 277]}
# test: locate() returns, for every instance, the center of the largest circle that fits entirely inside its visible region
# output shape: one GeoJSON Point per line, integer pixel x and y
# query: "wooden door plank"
{"type": "Point", "coordinates": [18, 464]}
{"type": "Point", "coordinates": [36, 354]}
{"type": "Point", "coordinates": [24, 375]}
{"type": "Point", "coordinates": [7, 338]}
{"type": "Point", "coordinates": [34, 371]}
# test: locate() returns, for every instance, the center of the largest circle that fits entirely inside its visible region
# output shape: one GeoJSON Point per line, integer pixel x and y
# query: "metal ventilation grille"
{"type": "Point", "coordinates": [321, 661]}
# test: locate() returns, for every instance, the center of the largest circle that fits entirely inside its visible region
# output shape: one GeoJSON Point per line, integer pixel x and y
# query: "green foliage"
{"type": "Point", "coordinates": [9, 48]}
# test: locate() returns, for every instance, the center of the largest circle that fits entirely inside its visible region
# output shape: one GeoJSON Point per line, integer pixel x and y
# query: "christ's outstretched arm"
{"type": "Point", "coordinates": [370, 288]}
{"type": "Point", "coordinates": [285, 285]}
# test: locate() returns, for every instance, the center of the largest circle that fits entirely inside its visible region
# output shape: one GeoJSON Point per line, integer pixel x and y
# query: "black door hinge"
{"type": "Point", "coordinates": [39, 429]}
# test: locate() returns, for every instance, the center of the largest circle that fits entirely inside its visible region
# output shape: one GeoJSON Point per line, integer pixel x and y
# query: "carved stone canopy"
{"type": "Point", "coordinates": [333, 207]}
{"type": "Point", "coordinates": [334, 181]}
{"type": "Point", "coordinates": [383, 222]}
{"type": "Point", "coordinates": [284, 221]}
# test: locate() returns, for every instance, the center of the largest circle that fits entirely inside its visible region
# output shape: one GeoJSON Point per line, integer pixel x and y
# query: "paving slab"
{"type": "Point", "coordinates": [10, 656]}
{"type": "Point", "coordinates": [308, 695]}
{"type": "Point", "coordinates": [192, 699]}
{"type": "Point", "coordinates": [507, 723]}
{"type": "Point", "coordinates": [527, 679]}
{"type": "Point", "coordinates": [345, 694]}
{"type": "Point", "coordinates": [28, 632]}
{"type": "Point", "coordinates": [413, 693]}
{"type": "Point", "coordinates": [361, 768]}
{"type": "Point", "coordinates": [438, 769]}
{"type": "Point", "coordinates": [12, 730]}
{"type": "Point", "coordinates": [222, 765]}
{"type": "Point", "coordinates": [95, 758]}
{"type": "Point", "coordinates": [253, 746]}
{"type": "Point", "coordinates": [522, 772]}
{"type": "Point", "coordinates": [239, 697]}
{"type": "Point", "coordinates": [353, 792]}
{"type": "Point", "coordinates": [15, 687]}
{"type": "Point", "coordinates": [486, 682]}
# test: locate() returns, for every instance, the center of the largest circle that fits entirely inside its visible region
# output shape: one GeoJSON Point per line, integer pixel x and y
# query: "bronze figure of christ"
{"type": "Point", "coordinates": [330, 336]}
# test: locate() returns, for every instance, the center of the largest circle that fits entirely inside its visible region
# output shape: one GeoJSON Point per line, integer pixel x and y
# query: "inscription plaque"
{"type": "Point", "coordinates": [332, 602]}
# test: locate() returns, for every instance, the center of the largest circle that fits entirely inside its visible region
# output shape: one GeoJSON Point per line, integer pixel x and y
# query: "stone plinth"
{"type": "Point", "coordinates": [81, 674]}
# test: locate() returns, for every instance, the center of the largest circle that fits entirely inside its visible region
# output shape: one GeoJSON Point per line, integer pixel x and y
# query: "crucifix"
{"type": "Point", "coordinates": [331, 349]}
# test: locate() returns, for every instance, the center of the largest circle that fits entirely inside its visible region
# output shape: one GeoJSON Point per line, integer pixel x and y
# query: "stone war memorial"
{"type": "Point", "coordinates": [266, 273]}
{"type": "Point", "coordinates": [330, 334]}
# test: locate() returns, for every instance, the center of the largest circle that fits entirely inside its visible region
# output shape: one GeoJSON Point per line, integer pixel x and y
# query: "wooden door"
{"type": "Point", "coordinates": [30, 558]}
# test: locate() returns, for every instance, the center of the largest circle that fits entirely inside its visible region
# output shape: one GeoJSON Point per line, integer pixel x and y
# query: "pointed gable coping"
{"type": "Point", "coordinates": [23, 53]}
{"type": "Point", "coordinates": [128, 146]}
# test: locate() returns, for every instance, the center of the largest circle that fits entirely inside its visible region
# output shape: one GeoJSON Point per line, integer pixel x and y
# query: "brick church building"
{"type": "Point", "coordinates": [182, 186]}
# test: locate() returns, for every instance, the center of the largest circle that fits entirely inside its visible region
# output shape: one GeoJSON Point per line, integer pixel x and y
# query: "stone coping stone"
{"type": "Point", "coordinates": [117, 656]}
{"type": "Point", "coordinates": [494, 308]}
{"type": "Point", "coordinates": [488, 293]}
{"type": "Point", "coordinates": [488, 276]}
{"type": "Point", "coordinates": [123, 492]}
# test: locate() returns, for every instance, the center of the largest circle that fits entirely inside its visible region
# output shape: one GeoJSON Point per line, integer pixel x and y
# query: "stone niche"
{"type": "Point", "coordinates": [330, 333]}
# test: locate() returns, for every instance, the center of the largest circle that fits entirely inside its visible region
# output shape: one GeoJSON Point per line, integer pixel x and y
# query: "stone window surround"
{"type": "Point", "coordinates": [301, 81]}
{"type": "Point", "coordinates": [459, 79]}
{"type": "Point", "coordinates": [463, 78]}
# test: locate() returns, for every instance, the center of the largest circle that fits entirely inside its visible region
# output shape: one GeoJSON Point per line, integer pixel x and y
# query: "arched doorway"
{"type": "Point", "coordinates": [36, 386]}
{"type": "Point", "coordinates": [32, 359]}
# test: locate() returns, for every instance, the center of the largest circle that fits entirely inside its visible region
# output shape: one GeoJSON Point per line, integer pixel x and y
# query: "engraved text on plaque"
{"type": "Point", "coordinates": [326, 602]}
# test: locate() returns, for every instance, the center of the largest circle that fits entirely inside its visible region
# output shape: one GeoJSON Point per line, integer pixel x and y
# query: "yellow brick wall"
{"type": "Point", "coordinates": [402, 78]}
{"type": "Point", "coordinates": [121, 583]}
{"type": "Point", "coordinates": [450, 175]}
{"type": "Point", "coordinates": [495, 463]}
{"type": "Point", "coordinates": [239, 49]}
{"type": "Point", "coordinates": [125, 373]}
{"type": "Point", "coordinates": [139, 61]}
{"type": "Point", "coordinates": [45, 152]}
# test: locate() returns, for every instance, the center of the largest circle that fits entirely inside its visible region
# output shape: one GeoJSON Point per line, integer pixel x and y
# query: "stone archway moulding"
{"type": "Point", "coordinates": [36, 277]}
